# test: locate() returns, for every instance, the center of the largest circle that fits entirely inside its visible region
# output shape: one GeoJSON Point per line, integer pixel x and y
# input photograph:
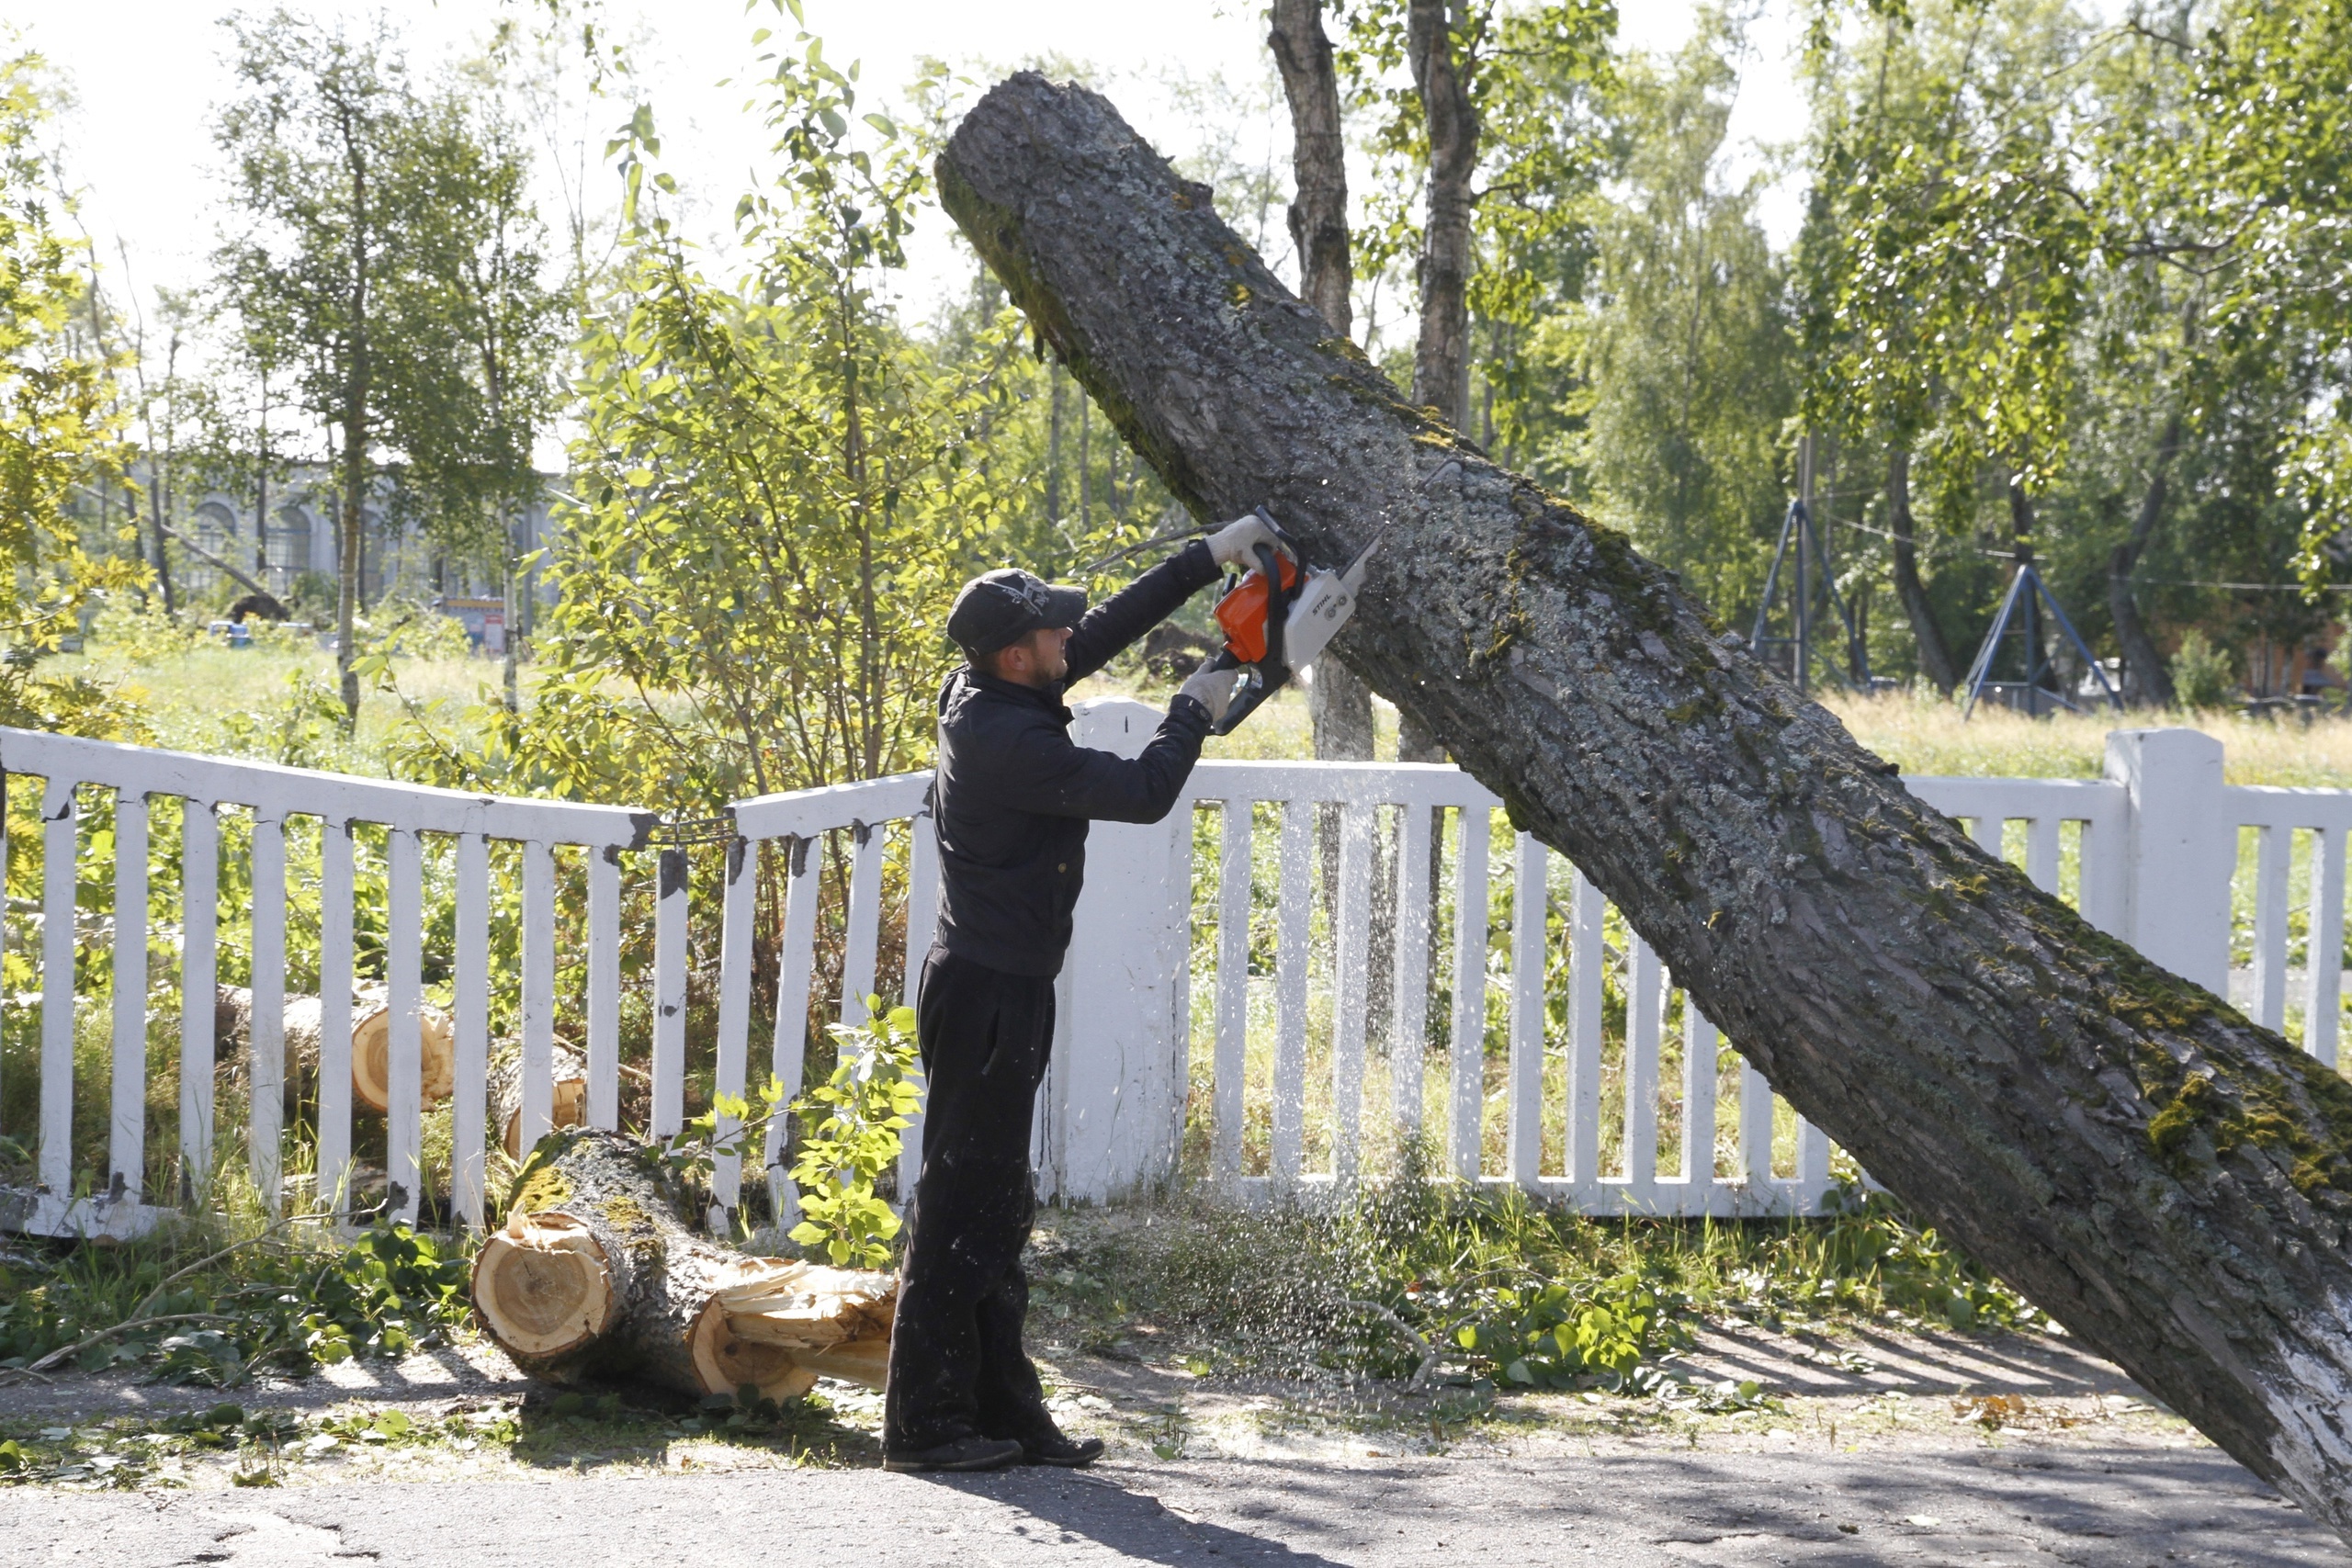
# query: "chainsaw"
{"type": "Point", "coordinates": [1278, 617]}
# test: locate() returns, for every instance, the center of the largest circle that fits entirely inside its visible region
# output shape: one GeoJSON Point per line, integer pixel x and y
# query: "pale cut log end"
{"type": "Point", "coordinates": [371, 1051]}
{"type": "Point", "coordinates": [569, 1110]}
{"type": "Point", "coordinates": [859, 1360]}
{"type": "Point", "coordinates": [725, 1362]}
{"type": "Point", "coordinates": [541, 1286]}
{"type": "Point", "coordinates": [835, 1322]}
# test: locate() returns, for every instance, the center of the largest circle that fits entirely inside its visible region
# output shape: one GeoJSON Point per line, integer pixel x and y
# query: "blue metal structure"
{"type": "Point", "coordinates": [2028, 593]}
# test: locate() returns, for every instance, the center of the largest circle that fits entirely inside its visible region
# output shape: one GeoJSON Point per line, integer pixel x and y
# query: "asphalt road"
{"type": "Point", "coordinates": [1975, 1507]}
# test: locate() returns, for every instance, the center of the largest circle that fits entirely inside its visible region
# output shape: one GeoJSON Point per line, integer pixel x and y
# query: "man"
{"type": "Point", "coordinates": [1011, 804]}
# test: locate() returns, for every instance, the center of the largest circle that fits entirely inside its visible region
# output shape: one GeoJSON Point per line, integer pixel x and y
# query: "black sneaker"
{"type": "Point", "coordinates": [963, 1453]}
{"type": "Point", "coordinates": [1062, 1452]}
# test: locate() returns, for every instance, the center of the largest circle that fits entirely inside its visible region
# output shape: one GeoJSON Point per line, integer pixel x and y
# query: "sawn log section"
{"type": "Point", "coordinates": [2170, 1181]}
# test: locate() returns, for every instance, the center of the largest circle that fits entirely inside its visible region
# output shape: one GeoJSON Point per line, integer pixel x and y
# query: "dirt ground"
{"type": "Point", "coordinates": [469, 1414]}
{"type": "Point", "coordinates": [1867, 1448]}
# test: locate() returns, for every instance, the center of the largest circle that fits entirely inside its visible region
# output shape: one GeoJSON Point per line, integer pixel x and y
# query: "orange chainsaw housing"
{"type": "Point", "coordinates": [1242, 612]}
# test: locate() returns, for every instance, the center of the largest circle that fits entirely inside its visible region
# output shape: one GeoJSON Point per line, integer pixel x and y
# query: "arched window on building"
{"type": "Point", "coordinates": [290, 548]}
{"type": "Point", "coordinates": [214, 528]}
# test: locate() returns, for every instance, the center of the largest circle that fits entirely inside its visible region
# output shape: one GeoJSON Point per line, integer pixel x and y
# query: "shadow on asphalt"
{"type": "Point", "coordinates": [1134, 1523]}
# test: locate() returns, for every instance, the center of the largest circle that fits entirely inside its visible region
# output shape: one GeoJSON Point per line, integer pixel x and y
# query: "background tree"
{"type": "Point", "coordinates": [1685, 374]}
{"type": "Point", "coordinates": [60, 427]}
{"type": "Point", "coordinates": [489, 344]}
{"type": "Point", "coordinates": [776, 490]}
{"type": "Point", "coordinates": [1340, 704]}
{"type": "Point", "coordinates": [332, 171]}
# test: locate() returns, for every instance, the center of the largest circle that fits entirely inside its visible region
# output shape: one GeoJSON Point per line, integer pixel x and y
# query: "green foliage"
{"type": "Point", "coordinates": [289, 1303]}
{"type": "Point", "coordinates": [1680, 369]}
{"type": "Point", "coordinates": [1562, 1336]}
{"type": "Point", "coordinates": [776, 493]}
{"type": "Point", "coordinates": [1496, 1287]}
{"type": "Point", "coordinates": [850, 1135]}
{"type": "Point", "coordinates": [60, 427]}
{"type": "Point", "coordinates": [1537, 76]}
{"type": "Point", "coordinates": [2202, 675]}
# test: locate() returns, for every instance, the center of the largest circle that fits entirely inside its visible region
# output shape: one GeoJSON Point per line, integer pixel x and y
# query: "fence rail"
{"type": "Point", "coordinates": [1306, 970]}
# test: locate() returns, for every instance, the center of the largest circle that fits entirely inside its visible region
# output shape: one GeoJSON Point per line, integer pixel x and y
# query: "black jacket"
{"type": "Point", "coordinates": [1013, 795]}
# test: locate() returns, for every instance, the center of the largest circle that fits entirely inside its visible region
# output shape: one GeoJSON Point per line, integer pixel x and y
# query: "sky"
{"type": "Point", "coordinates": [147, 75]}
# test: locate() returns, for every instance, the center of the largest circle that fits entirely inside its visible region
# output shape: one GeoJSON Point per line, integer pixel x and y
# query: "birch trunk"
{"type": "Point", "coordinates": [2170, 1181]}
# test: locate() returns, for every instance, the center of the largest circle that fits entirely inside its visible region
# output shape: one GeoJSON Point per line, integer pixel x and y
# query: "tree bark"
{"type": "Point", "coordinates": [1935, 654]}
{"type": "Point", "coordinates": [598, 1273]}
{"type": "Point", "coordinates": [2147, 679]}
{"type": "Point", "coordinates": [1318, 217]}
{"type": "Point", "coordinates": [1339, 704]}
{"type": "Point", "coordinates": [2168, 1180]}
{"type": "Point", "coordinates": [1442, 356]}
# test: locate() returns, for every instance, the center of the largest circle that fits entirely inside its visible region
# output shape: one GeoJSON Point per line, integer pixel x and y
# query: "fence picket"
{"type": "Point", "coordinates": [2324, 949]}
{"type": "Point", "coordinates": [403, 1044]}
{"type": "Point", "coordinates": [861, 950]}
{"type": "Point", "coordinates": [199, 1002]}
{"type": "Point", "coordinates": [61, 842]}
{"type": "Point", "coordinates": [1700, 1044]}
{"type": "Point", "coordinates": [1588, 963]}
{"type": "Point", "coordinates": [670, 913]}
{"type": "Point", "coordinates": [1987, 832]}
{"type": "Point", "coordinates": [1813, 1166]}
{"type": "Point", "coordinates": [335, 895]}
{"type": "Point", "coordinates": [1230, 1053]}
{"type": "Point", "coordinates": [265, 1028]}
{"type": "Point", "coordinates": [796, 959]}
{"type": "Point", "coordinates": [1294, 895]}
{"type": "Point", "coordinates": [1530, 911]}
{"type": "Point", "coordinates": [1351, 996]}
{"type": "Point", "coordinates": [1756, 1134]}
{"type": "Point", "coordinates": [126, 1123]}
{"type": "Point", "coordinates": [923, 923]}
{"type": "Point", "coordinates": [605, 988]}
{"type": "Point", "coordinates": [470, 1092]}
{"type": "Point", "coordinates": [2042, 852]}
{"type": "Point", "coordinates": [1409, 1010]}
{"type": "Point", "coordinates": [1466, 1053]}
{"type": "Point", "coordinates": [1644, 996]}
{"type": "Point", "coordinates": [737, 912]}
{"type": "Point", "coordinates": [2273, 847]}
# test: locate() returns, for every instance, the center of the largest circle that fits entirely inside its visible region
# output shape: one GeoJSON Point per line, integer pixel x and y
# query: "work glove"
{"type": "Point", "coordinates": [1236, 545]}
{"type": "Point", "coordinates": [1213, 689]}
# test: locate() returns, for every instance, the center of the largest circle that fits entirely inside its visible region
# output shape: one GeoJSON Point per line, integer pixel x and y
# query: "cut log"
{"type": "Point", "coordinates": [370, 1042]}
{"type": "Point", "coordinates": [2170, 1181]}
{"type": "Point", "coordinates": [571, 1095]}
{"type": "Point", "coordinates": [598, 1273]}
{"type": "Point", "coordinates": [372, 1056]}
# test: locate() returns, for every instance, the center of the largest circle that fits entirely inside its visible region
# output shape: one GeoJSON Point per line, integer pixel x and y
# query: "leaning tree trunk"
{"type": "Point", "coordinates": [2170, 1181]}
{"type": "Point", "coordinates": [597, 1273]}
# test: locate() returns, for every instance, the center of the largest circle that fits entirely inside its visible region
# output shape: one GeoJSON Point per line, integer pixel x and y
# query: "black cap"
{"type": "Point", "coordinates": [998, 608]}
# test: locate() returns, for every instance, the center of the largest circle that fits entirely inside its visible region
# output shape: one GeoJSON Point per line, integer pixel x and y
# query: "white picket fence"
{"type": "Point", "coordinates": [1280, 1068]}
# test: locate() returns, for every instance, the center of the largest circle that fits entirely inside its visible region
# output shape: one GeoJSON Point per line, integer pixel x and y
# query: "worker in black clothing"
{"type": "Point", "coordinates": [1009, 803]}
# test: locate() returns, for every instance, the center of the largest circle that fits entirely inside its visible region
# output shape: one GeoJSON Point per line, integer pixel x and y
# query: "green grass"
{"type": "Point", "coordinates": [210, 1300]}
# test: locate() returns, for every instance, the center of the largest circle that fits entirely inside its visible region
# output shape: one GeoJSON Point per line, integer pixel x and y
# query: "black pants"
{"type": "Point", "coordinates": [957, 1365]}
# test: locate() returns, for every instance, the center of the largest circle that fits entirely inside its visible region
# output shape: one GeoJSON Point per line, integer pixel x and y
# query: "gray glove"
{"type": "Point", "coordinates": [1213, 689]}
{"type": "Point", "coordinates": [1235, 544]}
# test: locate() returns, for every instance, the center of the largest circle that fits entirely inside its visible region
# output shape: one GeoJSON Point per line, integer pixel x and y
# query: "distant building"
{"type": "Point", "coordinates": [301, 536]}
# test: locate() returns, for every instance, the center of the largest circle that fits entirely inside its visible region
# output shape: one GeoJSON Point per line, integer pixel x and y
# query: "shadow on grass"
{"type": "Point", "coordinates": [592, 1429]}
